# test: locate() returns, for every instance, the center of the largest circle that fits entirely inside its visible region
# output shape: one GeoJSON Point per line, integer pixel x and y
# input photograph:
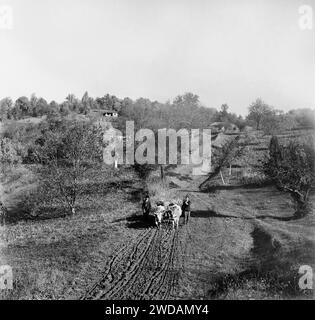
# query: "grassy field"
{"type": "Point", "coordinates": [253, 248]}
{"type": "Point", "coordinates": [59, 258]}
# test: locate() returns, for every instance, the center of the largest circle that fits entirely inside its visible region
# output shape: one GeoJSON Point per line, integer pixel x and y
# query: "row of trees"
{"type": "Point", "coordinates": [184, 111]}
{"type": "Point", "coordinates": [272, 120]}
{"type": "Point", "coordinates": [34, 106]}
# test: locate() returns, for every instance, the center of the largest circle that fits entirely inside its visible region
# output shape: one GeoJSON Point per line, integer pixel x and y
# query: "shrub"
{"type": "Point", "coordinates": [253, 177]}
{"type": "Point", "coordinates": [10, 152]}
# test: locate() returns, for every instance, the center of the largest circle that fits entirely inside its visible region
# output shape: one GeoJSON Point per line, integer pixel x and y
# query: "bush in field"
{"type": "Point", "coordinates": [143, 170]}
{"type": "Point", "coordinates": [31, 202]}
{"type": "Point", "coordinates": [253, 177]}
{"type": "Point", "coordinates": [291, 168]}
{"type": "Point", "coordinates": [66, 158]}
{"type": "Point", "coordinates": [9, 152]}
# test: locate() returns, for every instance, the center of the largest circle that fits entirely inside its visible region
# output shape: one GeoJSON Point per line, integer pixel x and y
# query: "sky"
{"type": "Point", "coordinates": [224, 51]}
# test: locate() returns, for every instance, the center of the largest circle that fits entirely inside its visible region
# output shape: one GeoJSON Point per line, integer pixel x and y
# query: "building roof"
{"type": "Point", "coordinates": [227, 125]}
{"type": "Point", "coordinates": [104, 111]}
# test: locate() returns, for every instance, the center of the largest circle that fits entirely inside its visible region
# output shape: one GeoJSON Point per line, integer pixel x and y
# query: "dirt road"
{"type": "Point", "coordinates": [154, 265]}
{"type": "Point", "coordinates": [231, 232]}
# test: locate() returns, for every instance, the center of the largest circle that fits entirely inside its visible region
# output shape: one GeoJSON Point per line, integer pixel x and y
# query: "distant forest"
{"type": "Point", "coordinates": [185, 111]}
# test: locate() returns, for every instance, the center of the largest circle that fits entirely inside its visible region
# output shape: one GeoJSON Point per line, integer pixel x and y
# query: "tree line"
{"type": "Point", "coordinates": [183, 112]}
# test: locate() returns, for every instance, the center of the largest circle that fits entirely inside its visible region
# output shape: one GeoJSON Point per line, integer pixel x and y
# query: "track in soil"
{"type": "Point", "coordinates": [148, 268]}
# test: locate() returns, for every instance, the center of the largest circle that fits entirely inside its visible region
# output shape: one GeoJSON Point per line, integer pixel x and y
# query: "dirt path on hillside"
{"type": "Point", "coordinates": [171, 264]}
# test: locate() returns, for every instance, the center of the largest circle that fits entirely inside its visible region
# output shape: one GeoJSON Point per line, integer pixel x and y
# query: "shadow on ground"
{"type": "Point", "coordinates": [102, 188]}
{"type": "Point", "coordinates": [211, 213]}
{"type": "Point", "coordinates": [214, 188]}
{"type": "Point", "coordinates": [19, 213]}
{"type": "Point", "coordinates": [137, 221]}
{"type": "Point", "coordinates": [179, 176]}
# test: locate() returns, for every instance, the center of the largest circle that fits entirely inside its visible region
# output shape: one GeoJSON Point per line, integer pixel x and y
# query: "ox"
{"type": "Point", "coordinates": [176, 212]}
{"type": "Point", "coordinates": [158, 213]}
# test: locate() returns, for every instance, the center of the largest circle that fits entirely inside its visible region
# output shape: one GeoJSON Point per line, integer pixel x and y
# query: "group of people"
{"type": "Point", "coordinates": [167, 213]}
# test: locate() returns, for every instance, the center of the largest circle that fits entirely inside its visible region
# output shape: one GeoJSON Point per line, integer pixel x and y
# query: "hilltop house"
{"type": "Point", "coordinates": [105, 113]}
{"type": "Point", "coordinates": [226, 127]}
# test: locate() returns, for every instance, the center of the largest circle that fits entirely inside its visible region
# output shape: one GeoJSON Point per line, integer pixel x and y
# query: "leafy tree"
{"type": "Point", "coordinates": [108, 102]}
{"type": "Point", "coordinates": [291, 168]}
{"type": "Point", "coordinates": [21, 108]}
{"type": "Point", "coordinates": [87, 103]}
{"type": "Point", "coordinates": [74, 104]}
{"type": "Point", "coordinates": [303, 117]}
{"type": "Point", "coordinates": [41, 108]}
{"type": "Point", "coordinates": [182, 113]}
{"type": "Point", "coordinates": [33, 104]}
{"type": "Point", "coordinates": [5, 108]}
{"type": "Point", "coordinates": [53, 110]}
{"type": "Point", "coordinates": [65, 108]}
{"type": "Point", "coordinates": [224, 109]}
{"type": "Point", "coordinates": [71, 98]}
{"type": "Point", "coordinates": [9, 152]}
{"type": "Point", "coordinates": [224, 112]}
{"type": "Point", "coordinates": [276, 121]}
{"type": "Point", "coordinates": [187, 99]}
{"type": "Point", "coordinates": [258, 112]}
{"type": "Point", "coordinates": [125, 104]}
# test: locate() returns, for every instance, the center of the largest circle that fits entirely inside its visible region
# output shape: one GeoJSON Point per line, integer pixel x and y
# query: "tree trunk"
{"type": "Point", "coordinates": [162, 173]}
{"type": "Point", "coordinates": [222, 177]}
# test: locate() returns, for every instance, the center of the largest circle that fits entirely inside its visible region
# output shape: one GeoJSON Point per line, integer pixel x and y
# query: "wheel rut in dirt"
{"type": "Point", "coordinates": [148, 268]}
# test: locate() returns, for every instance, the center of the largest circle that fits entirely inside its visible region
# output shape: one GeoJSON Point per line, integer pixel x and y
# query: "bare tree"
{"type": "Point", "coordinates": [258, 112]}
{"type": "Point", "coordinates": [66, 158]}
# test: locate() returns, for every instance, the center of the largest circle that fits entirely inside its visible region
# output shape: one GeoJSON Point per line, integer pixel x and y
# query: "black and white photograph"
{"type": "Point", "coordinates": [157, 151]}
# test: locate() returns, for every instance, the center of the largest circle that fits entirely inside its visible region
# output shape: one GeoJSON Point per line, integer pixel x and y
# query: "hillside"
{"type": "Point", "coordinates": [241, 242]}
